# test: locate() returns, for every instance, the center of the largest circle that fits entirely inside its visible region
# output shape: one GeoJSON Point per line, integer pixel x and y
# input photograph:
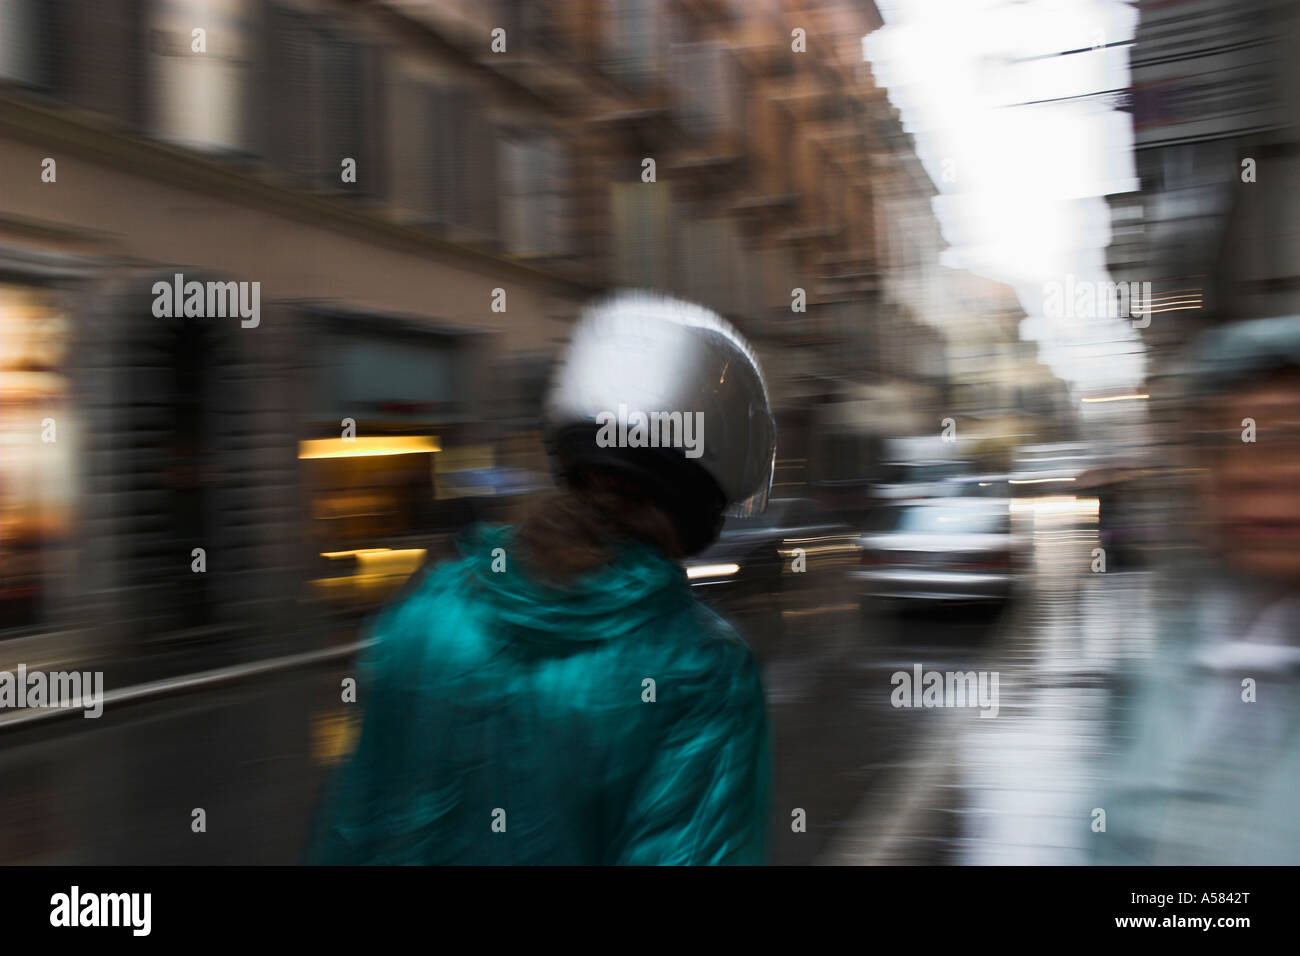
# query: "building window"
{"type": "Point", "coordinates": [708, 88]}
{"type": "Point", "coordinates": [322, 105]}
{"type": "Point", "coordinates": [535, 27]}
{"type": "Point", "coordinates": [641, 222]}
{"type": "Point", "coordinates": [201, 101]}
{"type": "Point", "coordinates": [31, 42]}
{"type": "Point", "coordinates": [634, 41]}
{"type": "Point", "coordinates": [536, 200]}
{"type": "Point", "coordinates": [89, 53]}
{"type": "Point", "coordinates": [444, 155]}
{"type": "Point", "coordinates": [373, 501]}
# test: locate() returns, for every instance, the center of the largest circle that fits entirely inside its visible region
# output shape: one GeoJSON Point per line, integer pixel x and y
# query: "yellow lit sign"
{"type": "Point", "coordinates": [368, 446]}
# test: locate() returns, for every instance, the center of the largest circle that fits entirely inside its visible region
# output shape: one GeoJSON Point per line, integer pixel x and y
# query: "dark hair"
{"type": "Point", "coordinates": [579, 527]}
{"type": "Point", "coordinates": [676, 485]}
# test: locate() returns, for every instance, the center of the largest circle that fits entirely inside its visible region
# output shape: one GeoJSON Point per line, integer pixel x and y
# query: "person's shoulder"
{"type": "Point", "coordinates": [715, 630]}
{"type": "Point", "coordinates": [431, 585]}
{"type": "Point", "coordinates": [709, 650]}
{"type": "Point", "coordinates": [433, 599]}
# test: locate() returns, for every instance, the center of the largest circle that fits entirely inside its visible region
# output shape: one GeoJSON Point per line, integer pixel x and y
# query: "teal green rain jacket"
{"type": "Point", "coordinates": [616, 722]}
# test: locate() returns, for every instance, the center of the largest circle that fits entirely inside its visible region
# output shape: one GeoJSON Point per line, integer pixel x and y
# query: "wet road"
{"type": "Point", "coordinates": [842, 753]}
{"type": "Point", "coordinates": [1018, 788]}
{"type": "Point", "coordinates": [871, 782]}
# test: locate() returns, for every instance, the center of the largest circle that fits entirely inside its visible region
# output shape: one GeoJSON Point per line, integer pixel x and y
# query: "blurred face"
{"type": "Point", "coordinates": [1251, 489]}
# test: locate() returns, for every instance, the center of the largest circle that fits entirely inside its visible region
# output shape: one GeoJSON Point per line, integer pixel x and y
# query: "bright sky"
{"type": "Point", "coordinates": [1022, 200]}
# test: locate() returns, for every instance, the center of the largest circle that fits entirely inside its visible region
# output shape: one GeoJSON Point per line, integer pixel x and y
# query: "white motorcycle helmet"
{"type": "Point", "coordinates": [671, 395]}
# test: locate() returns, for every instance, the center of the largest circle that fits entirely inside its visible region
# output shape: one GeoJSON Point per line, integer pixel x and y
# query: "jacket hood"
{"type": "Point", "coordinates": [640, 585]}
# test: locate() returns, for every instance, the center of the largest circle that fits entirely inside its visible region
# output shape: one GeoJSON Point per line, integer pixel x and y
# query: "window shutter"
{"type": "Point", "coordinates": [557, 199]}
{"type": "Point", "coordinates": [341, 91]}
{"type": "Point", "coordinates": [481, 170]}
{"type": "Point", "coordinates": [640, 219]}
{"type": "Point", "coordinates": [290, 106]}
{"type": "Point", "coordinates": [31, 44]}
{"type": "Point", "coordinates": [104, 75]}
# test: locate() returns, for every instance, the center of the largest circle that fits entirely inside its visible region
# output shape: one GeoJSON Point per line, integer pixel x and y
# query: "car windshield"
{"type": "Point", "coordinates": [982, 488]}
{"type": "Point", "coordinates": [941, 519]}
{"type": "Point", "coordinates": [772, 517]}
{"type": "Point", "coordinates": [916, 474]}
{"type": "Point", "coordinates": [780, 513]}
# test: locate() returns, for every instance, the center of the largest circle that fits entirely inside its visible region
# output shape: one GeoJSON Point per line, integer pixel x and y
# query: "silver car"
{"type": "Point", "coordinates": [945, 549]}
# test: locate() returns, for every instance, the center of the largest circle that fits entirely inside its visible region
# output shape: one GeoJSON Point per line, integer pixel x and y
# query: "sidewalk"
{"type": "Point", "coordinates": [1017, 789]}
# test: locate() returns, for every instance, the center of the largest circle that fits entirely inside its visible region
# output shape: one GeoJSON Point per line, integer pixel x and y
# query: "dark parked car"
{"type": "Point", "coordinates": [761, 553]}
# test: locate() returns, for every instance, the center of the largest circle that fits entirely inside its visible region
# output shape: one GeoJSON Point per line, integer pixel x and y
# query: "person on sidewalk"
{"type": "Point", "coordinates": [1209, 736]}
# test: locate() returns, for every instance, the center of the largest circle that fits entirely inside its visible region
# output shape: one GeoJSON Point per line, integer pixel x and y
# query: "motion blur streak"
{"type": "Point", "coordinates": [925, 215]}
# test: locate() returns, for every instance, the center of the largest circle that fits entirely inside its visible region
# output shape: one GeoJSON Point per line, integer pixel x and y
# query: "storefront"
{"type": "Point", "coordinates": [143, 480]}
{"type": "Point", "coordinates": [393, 423]}
{"type": "Point", "coordinates": [39, 431]}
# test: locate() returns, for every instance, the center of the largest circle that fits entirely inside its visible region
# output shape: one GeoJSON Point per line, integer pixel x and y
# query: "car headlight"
{"type": "Point", "coordinates": [703, 571]}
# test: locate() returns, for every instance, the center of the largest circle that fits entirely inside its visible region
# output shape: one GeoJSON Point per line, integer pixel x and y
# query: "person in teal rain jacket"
{"type": "Point", "coordinates": [557, 695]}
